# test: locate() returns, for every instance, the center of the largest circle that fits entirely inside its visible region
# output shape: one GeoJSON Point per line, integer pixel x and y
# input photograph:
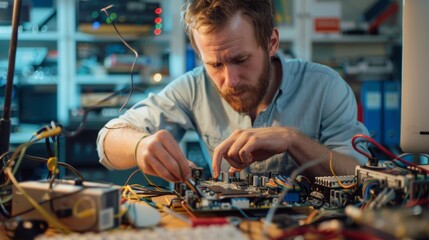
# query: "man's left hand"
{"type": "Point", "coordinates": [246, 146]}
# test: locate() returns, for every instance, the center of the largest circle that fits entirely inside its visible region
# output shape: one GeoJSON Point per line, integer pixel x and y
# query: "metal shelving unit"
{"type": "Point", "coordinates": [68, 37]}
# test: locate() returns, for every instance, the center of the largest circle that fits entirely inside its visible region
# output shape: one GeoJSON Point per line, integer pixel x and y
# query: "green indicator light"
{"type": "Point", "coordinates": [159, 25]}
{"type": "Point", "coordinates": [94, 14]}
{"type": "Point", "coordinates": [113, 16]}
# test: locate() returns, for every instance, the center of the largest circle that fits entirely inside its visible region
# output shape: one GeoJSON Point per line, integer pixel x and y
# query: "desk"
{"type": "Point", "coordinates": [252, 229]}
{"type": "Point", "coordinates": [373, 224]}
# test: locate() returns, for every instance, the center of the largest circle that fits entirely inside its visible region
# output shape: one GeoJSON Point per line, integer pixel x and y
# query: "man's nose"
{"type": "Point", "coordinates": [231, 76]}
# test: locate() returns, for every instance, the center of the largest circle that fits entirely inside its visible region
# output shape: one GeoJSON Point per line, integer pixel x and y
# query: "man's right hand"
{"type": "Point", "coordinates": [160, 155]}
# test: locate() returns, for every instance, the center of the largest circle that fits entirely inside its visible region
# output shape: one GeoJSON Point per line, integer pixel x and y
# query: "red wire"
{"type": "Point", "coordinates": [187, 209]}
{"type": "Point", "coordinates": [387, 152]}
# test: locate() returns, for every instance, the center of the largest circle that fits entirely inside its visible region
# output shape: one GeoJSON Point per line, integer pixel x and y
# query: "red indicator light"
{"type": "Point", "coordinates": [158, 20]}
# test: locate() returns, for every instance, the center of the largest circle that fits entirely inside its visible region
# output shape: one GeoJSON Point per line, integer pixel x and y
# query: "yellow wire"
{"type": "Point", "coordinates": [333, 173]}
{"type": "Point", "coordinates": [53, 221]}
{"type": "Point", "coordinates": [311, 216]}
{"type": "Point", "coordinates": [141, 170]}
{"type": "Point", "coordinates": [134, 196]}
{"type": "Point", "coordinates": [49, 133]}
{"type": "Point", "coordinates": [168, 201]}
{"type": "Point", "coordinates": [89, 212]}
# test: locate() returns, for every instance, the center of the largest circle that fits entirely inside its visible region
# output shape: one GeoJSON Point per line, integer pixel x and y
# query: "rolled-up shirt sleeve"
{"type": "Point", "coordinates": [169, 110]}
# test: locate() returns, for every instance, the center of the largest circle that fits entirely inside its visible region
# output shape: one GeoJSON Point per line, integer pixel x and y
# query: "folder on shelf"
{"type": "Point", "coordinates": [371, 94]}
{"type": "Point", "coordinates": [391, 113]}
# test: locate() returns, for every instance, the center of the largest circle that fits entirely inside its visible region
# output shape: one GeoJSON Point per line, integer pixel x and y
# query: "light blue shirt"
{"type": "Point", "coordinates": [312, 98]}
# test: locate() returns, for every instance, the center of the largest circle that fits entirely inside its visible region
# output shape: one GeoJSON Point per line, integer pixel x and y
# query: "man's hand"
{"type": "Point", "coordinates": [246, 146]}
{"type": "Point", "coordinates": [160, 155]}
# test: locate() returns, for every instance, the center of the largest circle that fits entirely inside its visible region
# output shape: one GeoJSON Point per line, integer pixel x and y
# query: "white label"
{"type": "Point", "coordinates": [106, 219]}
{"type": "Point", "coordinates": [373, 100]}
{"type": "Point", "coordinates": [391, 101]}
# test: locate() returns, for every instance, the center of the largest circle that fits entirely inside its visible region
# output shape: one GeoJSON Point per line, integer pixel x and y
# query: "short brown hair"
{"type": "Point", "coordinates": [216, 13]}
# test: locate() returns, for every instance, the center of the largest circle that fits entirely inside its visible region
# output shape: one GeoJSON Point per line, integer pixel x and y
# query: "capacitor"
{"type": "Point", "coordinates": [264, 181]}
{"type": "Point", "coordinates": [255, 181]}
{"type": "Point", "coordinates": [222, 176]}
{"type": "Point", "coordinates": [250, 179]}
{"type": "Point", "coordinates": [237, 176]}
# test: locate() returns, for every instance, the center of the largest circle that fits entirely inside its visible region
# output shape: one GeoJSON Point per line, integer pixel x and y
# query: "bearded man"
{"type": "Point", "coordinates": [253, 110]}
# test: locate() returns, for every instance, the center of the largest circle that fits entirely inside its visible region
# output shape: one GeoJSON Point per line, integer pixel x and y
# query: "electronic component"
{"type": "Point", "coordinates": [392, 223]}
{"type": "Point", "coordinates": [393, 183]}
{"type": "Point", "coordinates": [80, 206]}
{"type": "Point", "coordinates": [136, 16]}
{"type": "Point", "coordinates": [254, 195]}
{"type": "Point", "coordinates": [327, 192]}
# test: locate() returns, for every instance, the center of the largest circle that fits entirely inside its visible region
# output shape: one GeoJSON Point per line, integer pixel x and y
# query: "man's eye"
{"type": "Point", "coordinates": [216, 65]}
{"type": "Point", "coordinates": [238, 61]}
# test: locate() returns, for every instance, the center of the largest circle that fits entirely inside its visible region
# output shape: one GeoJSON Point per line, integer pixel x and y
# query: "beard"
{"type": "Point", "coordinates": [249, 96]}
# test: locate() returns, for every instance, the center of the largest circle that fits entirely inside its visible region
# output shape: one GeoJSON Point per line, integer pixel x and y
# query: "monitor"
{"type": "Point", "coordinates": [415, 77]}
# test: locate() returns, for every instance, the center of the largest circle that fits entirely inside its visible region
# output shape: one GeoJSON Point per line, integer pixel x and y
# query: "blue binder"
{"type": "Point", "coordinates": [391, 113]}
{"type": "Point", "coordinates": [371, 96]}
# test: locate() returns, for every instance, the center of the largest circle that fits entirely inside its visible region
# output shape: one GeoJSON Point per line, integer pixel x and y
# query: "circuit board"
{"type": "Point", "coordinates": [252, 196]}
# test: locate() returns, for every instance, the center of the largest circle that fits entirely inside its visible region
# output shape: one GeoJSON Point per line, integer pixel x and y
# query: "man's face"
{"type": "Point", "coordinates": [237, 66]}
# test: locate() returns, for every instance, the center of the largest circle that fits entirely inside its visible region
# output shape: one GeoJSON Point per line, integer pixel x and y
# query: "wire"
{"type": "Point", "coordinates": [90, 210]}
{"type": "Point", "coordinates": [296, 172]}
{"type": "Point", "coordinates": [47, 200]}
{"type": "Point", "coordinates": [51, 219]}
{"type": "Point", "coordinates": [131, 175]}
{"type": "Point", "coordinates": [62, 164]}
{"type": "Point", "coordinates": [311, 216]}
{"type": "Point", "coordinates": [335, 175]}
{"type": "Point", "coordinates": [86, 110]}
{"type": "Point", "coordinates": [136, 55]}
{"type": "Point", "coordinates": [187, 209]}
{"type": "Point", "coordinates": [387, 152]}
{"type": "Point", "coordinates": [425, 155]}
{"type": "Point", "coordinates": [242, 212]}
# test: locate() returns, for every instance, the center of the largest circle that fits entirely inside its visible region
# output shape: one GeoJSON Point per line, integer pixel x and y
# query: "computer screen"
{"type": "Point", "coordinates": [415, 77]}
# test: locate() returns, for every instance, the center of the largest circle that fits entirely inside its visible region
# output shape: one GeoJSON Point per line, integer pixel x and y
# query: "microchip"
{"type": "Point", "coordinates": [216, 189]}
{"type": "Point", "coordinates": [227, 191]}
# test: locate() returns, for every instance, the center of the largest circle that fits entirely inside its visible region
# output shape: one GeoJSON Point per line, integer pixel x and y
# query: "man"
{"type": "Point", "coordinates": [253, 109]}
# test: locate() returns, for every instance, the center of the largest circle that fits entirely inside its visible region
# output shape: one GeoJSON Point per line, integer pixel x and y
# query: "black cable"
{"type": "Point", "coordinates": [87, 110]}
{"type": "Point", "coordinates": [62, 164]}
{"type": "Point", "coordinates": [48, 147]}
{"type": "Point", "coordinates": [45, 201]}
{"type": "Point", "coordinates": [353, 195]}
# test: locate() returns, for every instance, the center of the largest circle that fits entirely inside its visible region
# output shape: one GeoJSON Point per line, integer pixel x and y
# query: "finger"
{"type": "Point", "coordinates": [244, 146]}
{"type": "Point", "coordinates": [161, 160]}
{"type": "Point", "coordinates": [218, 155]}
{"type": "Point", "coordinates": [233, 169]}
{"type": "Point", "coordinates": [191, 164]}
{"type": "Point", "coordinates": [241, 149]}
{"type": "Point", "coordinates": [233, 153]}
{"type": "Point", "coordinates": [158, 154]}
{"type": "Point", "coordinates": [174, 154]}
{"type": "Point", "coordinates": [246, 157]}
{"type": "Point", "coordinates": [236, 164]}
{"type": "Point", "coordinates": [152, 166]}
{"type": "Point", "coordinates": [182, 162]}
